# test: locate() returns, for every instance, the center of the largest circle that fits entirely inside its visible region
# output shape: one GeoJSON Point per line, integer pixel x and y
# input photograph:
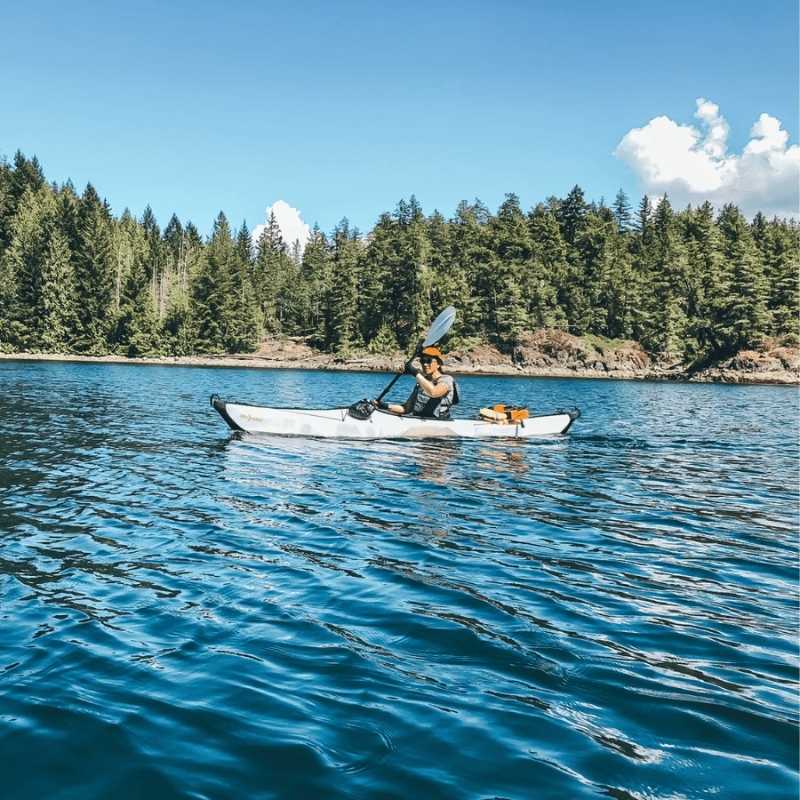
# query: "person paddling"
{"type": "Point", "coordinates": [434, 393]}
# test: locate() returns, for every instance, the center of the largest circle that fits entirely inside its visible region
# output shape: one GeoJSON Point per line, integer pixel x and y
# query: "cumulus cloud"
{"type": "Point", "coordinates": [289, 221]}
{"type": "Point", "coordinates": [692, 163]}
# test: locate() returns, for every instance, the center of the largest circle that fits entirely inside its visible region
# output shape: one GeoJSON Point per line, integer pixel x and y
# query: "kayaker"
{"type": "Point", "coordinates": [434, 393]}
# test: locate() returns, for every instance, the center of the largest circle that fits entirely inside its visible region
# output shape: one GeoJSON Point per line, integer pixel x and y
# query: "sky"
{"type": "Point", "coordinates": [342, 109]}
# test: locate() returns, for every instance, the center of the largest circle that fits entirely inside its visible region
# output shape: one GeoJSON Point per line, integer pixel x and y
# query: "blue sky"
{"type": "Point", "coordinates": [344, 108]}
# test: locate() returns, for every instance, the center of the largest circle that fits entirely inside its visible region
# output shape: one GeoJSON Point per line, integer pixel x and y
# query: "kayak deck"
{"type": "Point", "coordinates": [338, 423]}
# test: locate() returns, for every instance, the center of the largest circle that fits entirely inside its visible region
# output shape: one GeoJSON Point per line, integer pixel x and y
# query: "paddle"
{"type": "Point", "coordinates": [438, 329]}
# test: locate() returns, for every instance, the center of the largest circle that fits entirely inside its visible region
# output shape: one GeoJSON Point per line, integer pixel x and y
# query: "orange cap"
{"type": "Point", "coordinates": [433, 352]}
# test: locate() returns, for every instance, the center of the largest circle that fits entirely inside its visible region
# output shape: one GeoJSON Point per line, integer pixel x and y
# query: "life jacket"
{"type": "Point", "coordinates": [421, 405]}
{"type": "Point", "coordinates": [504, 413]}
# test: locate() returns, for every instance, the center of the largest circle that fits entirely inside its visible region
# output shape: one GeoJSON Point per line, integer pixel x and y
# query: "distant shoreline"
{"type": "Point", "coordinates": [370, 363]}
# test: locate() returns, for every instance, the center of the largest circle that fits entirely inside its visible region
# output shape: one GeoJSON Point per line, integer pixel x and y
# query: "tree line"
{"type": "Point", "coordinates": [690, 284]}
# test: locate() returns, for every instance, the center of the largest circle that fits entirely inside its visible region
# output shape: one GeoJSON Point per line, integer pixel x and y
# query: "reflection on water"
{"type": "Point", "coordinates": [186, 614]}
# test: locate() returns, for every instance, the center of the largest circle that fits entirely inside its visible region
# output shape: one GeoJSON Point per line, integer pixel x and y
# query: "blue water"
{"type": "Point", "coordinates": [182, 614]}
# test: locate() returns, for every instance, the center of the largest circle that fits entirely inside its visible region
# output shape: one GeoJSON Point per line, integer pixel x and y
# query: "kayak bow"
{"type": "Point", "coordinates": [338, 423]}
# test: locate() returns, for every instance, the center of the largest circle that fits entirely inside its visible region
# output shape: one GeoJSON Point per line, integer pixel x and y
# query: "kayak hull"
{"type": "Point", "coordinates": [336, 423]}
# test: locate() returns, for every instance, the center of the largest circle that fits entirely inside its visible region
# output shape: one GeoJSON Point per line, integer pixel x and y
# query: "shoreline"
{"type": "Point", "coordinates": [370, 363]}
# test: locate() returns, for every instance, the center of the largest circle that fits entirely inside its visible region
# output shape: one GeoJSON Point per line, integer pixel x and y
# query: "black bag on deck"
{"type": "Point", "coordinates": [361, 410]}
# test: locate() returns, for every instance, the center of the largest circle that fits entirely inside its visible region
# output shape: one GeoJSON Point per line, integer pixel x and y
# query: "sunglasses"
{"type": "Point", "coordinates": [427, 360]}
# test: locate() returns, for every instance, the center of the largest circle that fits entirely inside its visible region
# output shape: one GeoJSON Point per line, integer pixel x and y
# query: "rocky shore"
{"type": "Point", "coordinates": [544, 353]}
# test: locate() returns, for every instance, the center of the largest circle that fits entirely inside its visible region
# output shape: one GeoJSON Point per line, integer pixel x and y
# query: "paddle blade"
{"type": "Point", "coordinates": [440, 326]}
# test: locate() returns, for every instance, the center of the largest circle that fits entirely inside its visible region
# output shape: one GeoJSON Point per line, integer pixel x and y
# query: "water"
{"type": "Point", "coordinates": [608, 614]}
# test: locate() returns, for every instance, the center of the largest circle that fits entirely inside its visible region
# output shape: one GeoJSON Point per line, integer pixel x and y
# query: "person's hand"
{"type": "Point", "coordinates": [410, 369]}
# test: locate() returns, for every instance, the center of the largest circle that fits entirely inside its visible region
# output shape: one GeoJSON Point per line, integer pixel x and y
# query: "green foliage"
{"type": "Point", "coordinates": [344, 313]}
{"type": "Point", "coordinates": [688, 286]}
{"type": "Point", "coordinates": [384, 342]}
{"type": "Point", "coordinates": [94, 274]}
{"type": "Point", "coordinates": [59, 302]}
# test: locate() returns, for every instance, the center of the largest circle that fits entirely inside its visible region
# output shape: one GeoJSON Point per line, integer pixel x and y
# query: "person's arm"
{"type": "Point", "coordinates": [405, 408]}
{"type": "Point", "coordinates": [433, 389]}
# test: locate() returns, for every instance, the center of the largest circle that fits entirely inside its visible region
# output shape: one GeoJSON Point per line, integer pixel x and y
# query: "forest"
{"type": "Point", "coordinates": [695, 284]}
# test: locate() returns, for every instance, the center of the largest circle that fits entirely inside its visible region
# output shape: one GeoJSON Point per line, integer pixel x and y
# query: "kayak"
{"type": "Point", "coordinates": [339, 423]}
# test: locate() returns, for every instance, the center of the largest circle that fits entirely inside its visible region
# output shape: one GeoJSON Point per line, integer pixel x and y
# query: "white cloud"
{"type": "Point", "coordinates": [692, 164]}
{"type": "Point", "coordinates": [289, 221]}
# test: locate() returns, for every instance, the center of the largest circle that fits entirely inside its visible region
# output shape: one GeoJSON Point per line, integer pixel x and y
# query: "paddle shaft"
{"type": "Point", "coordinates": [393, 381]}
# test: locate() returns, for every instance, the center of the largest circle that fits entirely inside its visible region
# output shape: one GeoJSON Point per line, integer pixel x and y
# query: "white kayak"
{"type": "Point", "coordinates": [340, 424]}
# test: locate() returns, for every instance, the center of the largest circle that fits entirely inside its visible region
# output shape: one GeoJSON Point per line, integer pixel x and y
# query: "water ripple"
{"type": "Point", "coordinates": [190, 615]}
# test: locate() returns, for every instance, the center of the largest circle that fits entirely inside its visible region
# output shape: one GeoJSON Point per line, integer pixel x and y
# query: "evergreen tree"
{"type": "Point", "coordinates": [705, 285]}
{"type": "Point", "coordinates": [571, 215]}
{"type": "Point", "coordinates": [58, 300]}
{"type": "Point", "coordinates": [25, 256]}
{"type": "Point", "coordinates": [137, 330]}
{"type": "Point", "coordinates": [212, 290]}
{"type": "Point", "coordinates": [642, 250]}
{"type": "Point", "coordinates": [316, 271]}
{"type": "Point", "coordinates": [415, 273]}
{"type": "Point", "coordinates": [242, 311]}
{"type": "Point", "coordinates": [271, 267]}
{"type": "Point", "coordinates": [67, 215]}
{"type": "Point", "coordinates": [513, 253]}
{"type": "Point", "coordinates": [472, 258]}
{"type": "Point", "coordinates": [344, 323]}
{"type": "Point", "coordinates": [173, 238]}
{"type": "Point", "coordinates": [376, 287]}
{"type": "Point", "coordinates": [25, 176]}
{"type": "Point", "coordinates": [94, 274]}
{"type": "Point", "coordinates": [617, 291]}
{"type": "Point", "coordinates": [744, 318]}
{"type": "Point", "coordinates": [546, 277]}
{"type": "Point", "coordinates": [591, 265]}
{"type": "Point", "coordinates": [622, 212]}
{"type": "Point", "coordinates": [6, 211]}
{"type": "Point", "coordinates": [667, 320]}
{"type": "Point", "coordinates": [450, 284]}
{"type": "Point", "coordinates": [781, 250]}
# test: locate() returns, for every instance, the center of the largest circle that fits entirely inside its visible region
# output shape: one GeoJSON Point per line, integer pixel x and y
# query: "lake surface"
{"type": "Point", "coordinates": [183, 614]}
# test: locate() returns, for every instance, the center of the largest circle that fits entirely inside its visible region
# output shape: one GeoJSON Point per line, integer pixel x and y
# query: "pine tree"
{"type": "Point", "coordinates": [242, 312]}
{"type": "Point", "coordinates": [571, 215]}
{"type": "Point", "coordinates": [94, 274]}
{"type": "Point", "coordinates": [513, 252]}
{"type": "Point", "coordinates": [617, 293]}
{"type": "Point", "coordinates": [781, 251]}
{"type": "Point", "coordinates": [6, 212]}
{"type": "Point", "coordinates": [25, 176]}
{"type": "Point", "coordinates": [450, 284]}
{"type": "Point", "coordinates": [316, 271]}
{"type": "Point", "coordinates": [744, 318]}
{"type": "Point", "coordinates": [136, 329]}
{"type": "Point", "coordinates": [594, 269]}
{"type": "Point", "coordinates": [546, 277]}
{"type": "Point", "coordinates": [472, 258]}
{"type": "Point", "coordinates": [212, 290]}
{"type": "Point", "coordinates": [665, 303]}
{"type": "Point", "coordinates": [409, 279]}
{"type": "Point", "coordinates": [58, 299]}
{"type": "Point", "coordinates": [24, 256]}
{"type": "Point", "coordinates": [705, 285]}
{"type": "Point", "coordinates": [270, 270]}
{"type": "Point", "coordinates": [68, 216]}
{"type": "Point", "coordinates": [344, 323]}
{"type": "Point", "coordinates": [622, 212]}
